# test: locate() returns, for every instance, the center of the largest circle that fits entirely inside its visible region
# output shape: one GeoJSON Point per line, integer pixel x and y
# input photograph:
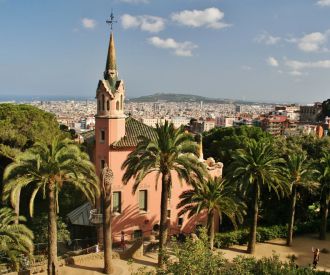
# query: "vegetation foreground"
{"type": "Point", "coordinates": [267, 182]}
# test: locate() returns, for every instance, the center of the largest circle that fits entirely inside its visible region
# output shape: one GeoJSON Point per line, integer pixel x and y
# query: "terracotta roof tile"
{"type": "Point", "coordinates": [134, 129]}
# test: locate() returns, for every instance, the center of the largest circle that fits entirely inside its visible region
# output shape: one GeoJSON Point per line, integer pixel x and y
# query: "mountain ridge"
{"type": "Point", "coordinates": [176, 97]}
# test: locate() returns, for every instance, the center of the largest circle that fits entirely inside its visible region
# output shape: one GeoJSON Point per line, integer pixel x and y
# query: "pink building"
{"type": "Point", "coordinates": [115, 137]}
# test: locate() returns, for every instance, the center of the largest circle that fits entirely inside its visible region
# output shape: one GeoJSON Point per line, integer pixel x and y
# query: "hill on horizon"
{"type": "Point", "coordinates": [175, 97]}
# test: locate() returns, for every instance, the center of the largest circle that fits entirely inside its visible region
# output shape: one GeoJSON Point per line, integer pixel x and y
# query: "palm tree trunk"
{"type": "Point", "coordinates": [166, 180]}
{"type": "Point", "coordinates": [107, 242]}
{"type": "Point", "coordinates": [253, 228]}
{"type": "Point", "coordinates": [292, 214]}
{"type": "Point", "coordinates": [52, 231]}
{"type": "Point", "coordinates": [17, 204]}
{"type": "Point", "coordinates": [324, 215]}
{"type": "Point", "coordinates": [211, 228]}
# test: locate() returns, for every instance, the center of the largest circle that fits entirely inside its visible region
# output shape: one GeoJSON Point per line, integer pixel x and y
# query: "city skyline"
{"type": "Point", "coordinates": [251, 50]}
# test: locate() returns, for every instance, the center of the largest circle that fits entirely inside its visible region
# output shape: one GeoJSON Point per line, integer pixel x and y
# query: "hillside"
{"type": "Point", "coordinates": [172, 97]}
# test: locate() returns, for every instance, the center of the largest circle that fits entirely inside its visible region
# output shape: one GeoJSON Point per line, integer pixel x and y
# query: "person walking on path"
{"type": "Point", "coordinates": [316, 257]}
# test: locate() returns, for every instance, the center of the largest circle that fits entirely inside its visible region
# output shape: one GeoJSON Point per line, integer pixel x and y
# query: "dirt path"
{"type": "Point", "coordinates": [302, 249]}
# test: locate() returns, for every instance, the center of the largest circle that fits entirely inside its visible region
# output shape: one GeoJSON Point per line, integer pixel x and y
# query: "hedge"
{"type": "Point", "coordinates": [225, 240]}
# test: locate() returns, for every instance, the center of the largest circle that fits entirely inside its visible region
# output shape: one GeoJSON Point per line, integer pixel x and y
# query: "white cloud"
{"type": "Point", "coordinates": [267, 39]}
{"type": "Point", "coordinates": [297, 68]}
{"type": "Point", "coordinates": [147, 23]}
{"type": "Point", "coordinates": [299, 65]}
{"type": "Point", "coordinates": [210, 18]}
{"type": "Point", "coordinates": [313, 42]}
{"type": "Point", "coordinates": [271, 61]}
{"type": "Point", "coordinates": [179, 48]}
{"type": "Point", "coordinates": [88, 23]}
{"type": "Point", "coordinates": [323, 3]}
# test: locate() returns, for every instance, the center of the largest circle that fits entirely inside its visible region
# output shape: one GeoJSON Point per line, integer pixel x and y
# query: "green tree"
{"type": "Point", "coordinates": [254, 168]}
{"type": "Point", "coordinates": [40, 228]}
{"type": "Point", "coordinates": [324, 179]}
{"type": "Point", "coordinates": [215, 196]}
{"type": "Point", "coordinates": [315, 146]}
{"type": "Point", "coordinates": [194, 257]}
{"type": "Point", "coordinates": [220, 143]}
{"type": "Point", "coordinates": [299, 174]}
{"type": "Point", "coordinates": [172, 150]}
{"type": "Point", "coordinates": [20, 127]}
{"type": "Point", "coordinates": [46, 168]}
{"type": "Point", "coordinates": [325, 110]}
{"type": "Point", "coordinates": [15, 239]}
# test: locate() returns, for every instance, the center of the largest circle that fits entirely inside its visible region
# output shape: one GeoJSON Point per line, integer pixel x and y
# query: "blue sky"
{"type": "Point", "coordinates": [267, 50]}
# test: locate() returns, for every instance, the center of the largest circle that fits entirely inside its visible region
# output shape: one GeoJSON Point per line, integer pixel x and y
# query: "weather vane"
{"type": "Point", "coordinates": [112, 20]}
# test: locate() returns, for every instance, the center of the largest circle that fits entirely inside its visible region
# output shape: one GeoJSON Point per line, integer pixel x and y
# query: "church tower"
{"type": "Point", "coordinates": [110, 117]}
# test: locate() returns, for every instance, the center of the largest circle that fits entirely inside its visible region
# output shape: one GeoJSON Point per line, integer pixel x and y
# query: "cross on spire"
{"type": "Point", "coordinates": [111, 20]}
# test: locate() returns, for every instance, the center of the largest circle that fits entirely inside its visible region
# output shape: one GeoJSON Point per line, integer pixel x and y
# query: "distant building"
{"type": "Point", "coordinates": [156, 107]}
{"type": "Point", "coordinates": [291, 111]}
{"type": "Point", "coordinates": [208, 124]}
{"type": "Point", "coordinates": [243, 122]}
{"type": "Point", "coordinates": [224, 121]}
{"type": "Point", "coordinates": [179, 121]}
{"type": "Point", "coordinates": [310, 113]}
{"type": "Point", "coordinates": [238, 109]}
{"type": "Point", "coordinates": [275, 125]}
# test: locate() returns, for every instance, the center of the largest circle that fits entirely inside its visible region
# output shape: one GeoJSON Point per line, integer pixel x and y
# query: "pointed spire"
{"type": "Point", "coordinates": [111, 60]}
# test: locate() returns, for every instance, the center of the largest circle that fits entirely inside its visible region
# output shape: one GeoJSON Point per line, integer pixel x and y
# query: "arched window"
{"type": "Point", "coordinates": [108, 105]}
{"type": "Point", "coordinates": [103, 99]}
{"type": "Point", "coordinates": [99, 105]}
{"type": "Point", "coordinates": [117, 105]}
{"type": "Point", "coordinates": [121, 102]}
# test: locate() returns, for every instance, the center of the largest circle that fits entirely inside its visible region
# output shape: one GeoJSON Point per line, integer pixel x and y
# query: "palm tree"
{"type": "Point", "coordinates": [46, 168]}
{"type": "Point", "coordinates": [172, 150]}
{"type": "Point", "coordinates": [15, 239]}
{"type": "Point", "coordinates": [299, 174]}
{"type": "Point", "coordinates": [253, 168]}
{"type": "Point", "coordinates": [324, 179]}
{"type": "Point", "coordinates": [215, 196]}
{"type": "Point", "coordinates": [106, 185]}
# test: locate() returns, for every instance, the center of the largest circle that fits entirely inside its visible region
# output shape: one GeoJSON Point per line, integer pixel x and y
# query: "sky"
{"type": "Point", "coordinates": [263, 50]}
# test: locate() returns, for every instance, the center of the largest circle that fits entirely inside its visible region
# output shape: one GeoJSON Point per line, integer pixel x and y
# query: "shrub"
{"type": "Point", "coordinates": [271, 233]}
{"type": "Point", "coordinates": [39, 226]}
{"type": "Point", "coordinates": [194, 257]}
{"type": "Point", "coordinates": [307, 227]}
{"type": "Point", "coordinates": [266, 266]}
{"type": "Point", "coordinates": [225, 240]}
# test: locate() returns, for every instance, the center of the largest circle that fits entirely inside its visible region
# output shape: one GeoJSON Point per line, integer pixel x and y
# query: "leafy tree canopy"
{"type": "Point", "coordinates": [39, 226]}
{"type": "Point", "coordinates": [22, 125]}
{"type": "Point", "coordinates": [325, 109]}
{"type": "Point", "coordinates": [219, 143]}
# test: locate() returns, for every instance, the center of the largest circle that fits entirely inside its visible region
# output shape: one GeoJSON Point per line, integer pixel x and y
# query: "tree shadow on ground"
{"type": "Point", "coordinates": [144, 262]}
{"type": "Point", "coordinates": [97, 269]}
{"type": "Point", "coordinates": [234, 249]}
{"type": "Point", "coordinates": [275, 243]}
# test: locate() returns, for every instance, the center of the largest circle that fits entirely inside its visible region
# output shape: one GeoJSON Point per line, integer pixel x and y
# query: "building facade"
{"type": "Point", "coordinates": [310, 113]}
{"type": "Point", "coordinates": [115, 137]}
